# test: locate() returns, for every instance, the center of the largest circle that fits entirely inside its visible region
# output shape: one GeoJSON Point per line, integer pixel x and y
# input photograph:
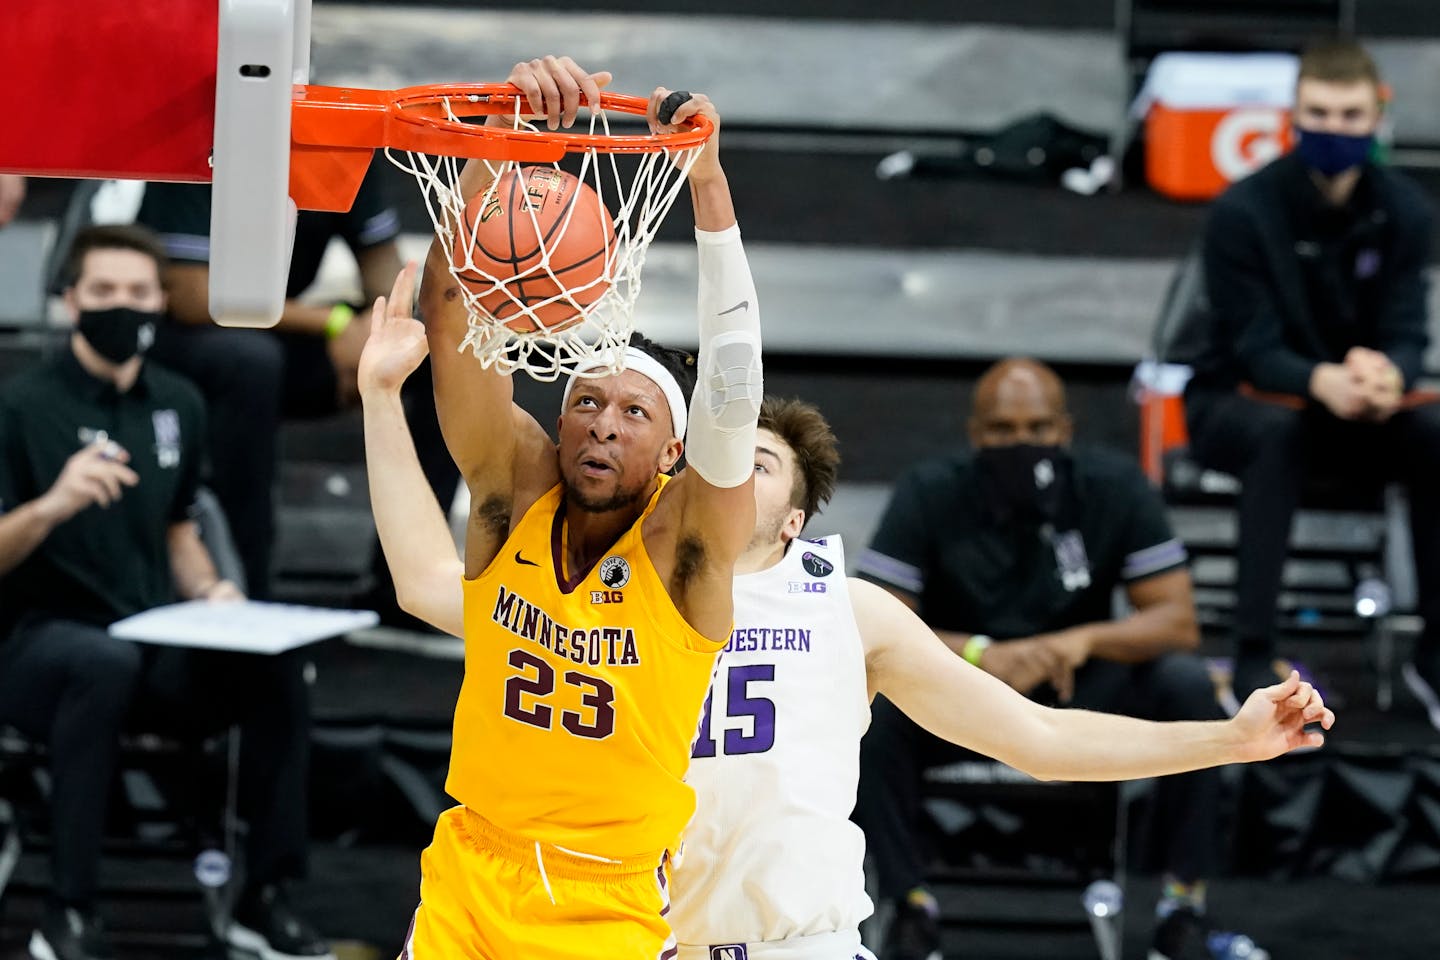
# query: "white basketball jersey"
{"type": "Point", "coordinates": [771, 852]}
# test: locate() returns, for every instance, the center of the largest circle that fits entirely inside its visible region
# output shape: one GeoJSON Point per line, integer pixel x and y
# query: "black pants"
{"type": "Point", "coordinates": [1273, 450]}
{"type": "Point", "coordinates": [1183, 822]}
{"type": "Point", "coordinates": [250, 380]}
{"type": "Point", "coordinates": [73, 687]}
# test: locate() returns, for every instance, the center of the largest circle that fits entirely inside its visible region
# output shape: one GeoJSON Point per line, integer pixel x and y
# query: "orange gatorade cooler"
{"type": "Point", "coordinates": [1213, 118]}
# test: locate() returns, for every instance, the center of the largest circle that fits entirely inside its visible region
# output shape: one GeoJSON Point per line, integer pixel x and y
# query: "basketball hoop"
{"type": "Point", "coordinates": [635, 179]}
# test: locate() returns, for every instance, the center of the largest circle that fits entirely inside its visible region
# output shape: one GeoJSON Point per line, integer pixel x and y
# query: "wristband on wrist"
{"type": "Point", "coordinates": [975, 648]}
{"type": "Point", "coordinates": [340, 316]}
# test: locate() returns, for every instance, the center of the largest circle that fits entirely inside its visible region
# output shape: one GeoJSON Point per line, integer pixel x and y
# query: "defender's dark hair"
{"type": "Point", "coordinates": [817, 451]}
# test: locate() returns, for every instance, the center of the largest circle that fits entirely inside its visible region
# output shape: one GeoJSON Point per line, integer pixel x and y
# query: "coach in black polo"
{"type": "Point", "coordinates": [1012, 554]}
{"type": "Point", "coordinates": [100, 457]}
{"type": "Point", "coordinates": [304, 367]}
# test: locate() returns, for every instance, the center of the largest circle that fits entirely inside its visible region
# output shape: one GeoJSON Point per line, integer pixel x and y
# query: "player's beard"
{"type": "Point", "coordinates": [621, 497]}
{"type": "Point", "coordinates": [767, 528]}
{"type": "Point", "coordinates": [609, 503]}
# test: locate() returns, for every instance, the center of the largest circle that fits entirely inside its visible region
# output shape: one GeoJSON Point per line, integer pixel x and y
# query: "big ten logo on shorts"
{"type": "Point", "coordinates": [729, 951]}
{"type": "Point", "coordinates": [1246, 139]}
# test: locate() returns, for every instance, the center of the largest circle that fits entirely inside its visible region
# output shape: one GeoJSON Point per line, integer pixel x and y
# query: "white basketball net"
{"type": "Point", "coordinates": [594, 345]}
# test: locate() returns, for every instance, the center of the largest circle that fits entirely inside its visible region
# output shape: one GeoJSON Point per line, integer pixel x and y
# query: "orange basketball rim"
{"type": "Point", "coordinates": [334, 131]}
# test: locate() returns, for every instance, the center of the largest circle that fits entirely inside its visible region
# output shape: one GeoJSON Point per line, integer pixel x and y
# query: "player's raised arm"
{"type": "Point", "coordinates": [412, 528]}
{"type": "Point", "coordinates": [965, 705]}
{"type": "Point", "coordinates": [506, 458]}
{"type": "Point", "coordinates": [716, 506]}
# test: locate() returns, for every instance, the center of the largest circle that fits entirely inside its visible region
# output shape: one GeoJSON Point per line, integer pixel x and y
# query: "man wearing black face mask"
{"type": "Point", "coordinates": [1315, 270]}
{"type": "Point", "coordinates": [1012, 555]}
{"type": "Point", "coordinates": [100, 456]}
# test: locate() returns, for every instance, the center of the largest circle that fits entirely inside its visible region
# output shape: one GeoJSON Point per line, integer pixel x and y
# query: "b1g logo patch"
{"type": "Point", "coordinates": [614, 572]}
{"type": "Point", "coordinates": [806, 586]}
{"type": "Point", "coordinates": [816, 565]}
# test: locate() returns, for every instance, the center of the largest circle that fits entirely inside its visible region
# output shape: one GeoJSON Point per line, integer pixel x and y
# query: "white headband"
{"type": "Point", "coordinates": [647, 366]}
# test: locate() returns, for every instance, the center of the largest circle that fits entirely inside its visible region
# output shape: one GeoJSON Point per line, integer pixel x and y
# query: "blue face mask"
{"type": "Point", "coordinates": [1331, 154]}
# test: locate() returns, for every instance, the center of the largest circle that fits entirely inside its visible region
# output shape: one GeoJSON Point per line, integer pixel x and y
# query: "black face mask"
{"type": "Point", "coordinates": [1025, 482]}
{"type": "Point", "coordinates": [119, 333]}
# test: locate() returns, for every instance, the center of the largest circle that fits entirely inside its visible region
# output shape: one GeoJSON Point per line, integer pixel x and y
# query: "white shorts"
{"type": "Point", "coordinates": [840, 945]}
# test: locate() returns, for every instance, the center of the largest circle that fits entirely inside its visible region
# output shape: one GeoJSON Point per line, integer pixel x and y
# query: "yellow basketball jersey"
{"type": "Point", "coordinates": [579, 705]}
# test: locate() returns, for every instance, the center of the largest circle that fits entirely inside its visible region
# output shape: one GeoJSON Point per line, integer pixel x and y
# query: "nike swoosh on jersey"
{"type": "Point", "coordinates": [528, 563]}
{"type": "Point", "coordinates": [742, 305]}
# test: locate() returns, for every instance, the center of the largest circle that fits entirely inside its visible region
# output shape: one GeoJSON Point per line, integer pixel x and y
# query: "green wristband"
{"type": "Point", "coordinates": [975, 648]}
{"type": "Point", "coordinates": [340, 316]}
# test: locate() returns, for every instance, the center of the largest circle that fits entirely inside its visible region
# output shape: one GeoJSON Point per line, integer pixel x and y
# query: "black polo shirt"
{"type": "Point", "coordinates": [104, 563]}
{"type": "Point", "coordinates": [972, 574]}
{"type": "Point", "coordinates": [1293, 280]}
{"type": "Point", "coordinates": [1339, 251]}
{"type": "Point", "coordinates": [180, 214]}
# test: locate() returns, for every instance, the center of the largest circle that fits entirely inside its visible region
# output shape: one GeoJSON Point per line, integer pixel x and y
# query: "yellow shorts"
{"type": "Point", "coordinates": [486, 894]}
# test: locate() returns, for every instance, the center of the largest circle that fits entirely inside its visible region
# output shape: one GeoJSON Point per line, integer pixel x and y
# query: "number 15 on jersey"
{"type": "Point", "coordinates": [749, 719]}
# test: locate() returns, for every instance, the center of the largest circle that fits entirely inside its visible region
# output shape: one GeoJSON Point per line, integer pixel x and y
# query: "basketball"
{"type": "Point", "coordinates": [535, 213]}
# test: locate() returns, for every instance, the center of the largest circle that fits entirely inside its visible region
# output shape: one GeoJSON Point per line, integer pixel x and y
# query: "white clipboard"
{"type": "Point", "coordinates": [248, 626]}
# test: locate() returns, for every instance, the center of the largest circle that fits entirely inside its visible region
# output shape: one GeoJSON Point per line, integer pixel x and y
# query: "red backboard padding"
{"type": "Point", "coordinates": [100, 88]}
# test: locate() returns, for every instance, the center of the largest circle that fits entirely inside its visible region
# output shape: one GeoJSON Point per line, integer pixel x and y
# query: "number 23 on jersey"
{"type": "Point", "coordinates": [526, 694]}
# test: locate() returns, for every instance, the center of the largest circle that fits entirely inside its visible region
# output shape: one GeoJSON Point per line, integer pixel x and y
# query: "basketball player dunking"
{"type": "Point", "coordinates": [597, 592]}
{"type": "Point", "coordinates": [771, 864]}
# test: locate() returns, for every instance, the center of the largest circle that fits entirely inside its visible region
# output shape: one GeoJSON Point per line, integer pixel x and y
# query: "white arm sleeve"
{"type": "Point", "coordinates": [720, 440]}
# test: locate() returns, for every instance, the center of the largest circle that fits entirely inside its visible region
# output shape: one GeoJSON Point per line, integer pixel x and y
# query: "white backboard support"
{"type": "Point", "coordinates": [264, 49]}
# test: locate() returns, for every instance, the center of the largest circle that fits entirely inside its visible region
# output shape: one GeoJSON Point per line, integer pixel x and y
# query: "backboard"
{"type": "Point", "coordinates": [217, 91]}
{"type": "Point", "coordinates": [179, 90]}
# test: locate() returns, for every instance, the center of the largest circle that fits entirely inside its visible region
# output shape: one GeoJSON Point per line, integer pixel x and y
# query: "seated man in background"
{"type": "Point", "coordinates": [100, 455]}
{"type": "Point", "coordinates": [305, 367]}
{"type": "Point", "coordinates": [1012, 555]}
{"type": "Point", "coordinates": [1315, 271]}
